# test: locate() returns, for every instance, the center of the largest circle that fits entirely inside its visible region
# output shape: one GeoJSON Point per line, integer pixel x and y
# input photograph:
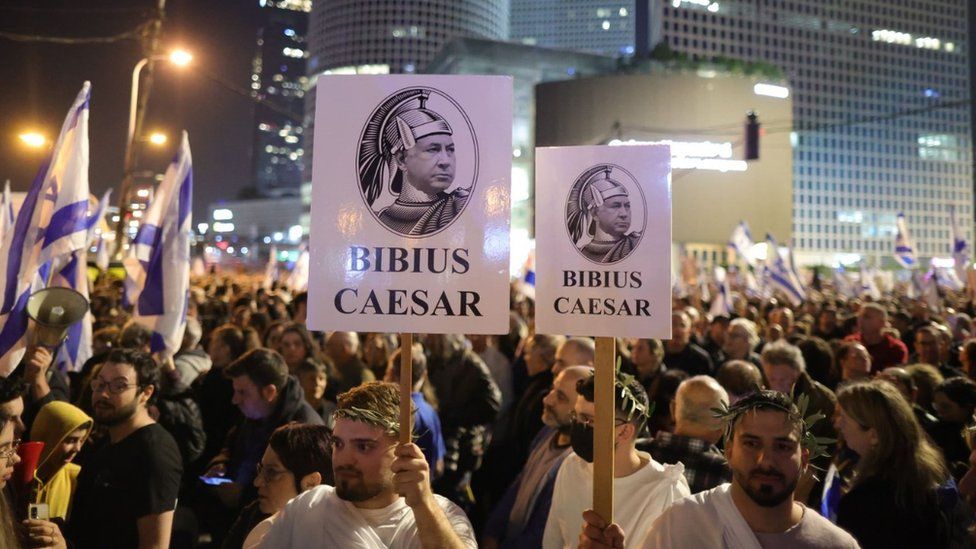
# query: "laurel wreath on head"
{"type": "Point", "coordinates": [630, 404]}
{"type": "Point", "coordinates": [816, 446]}
{"type": "Point", "coordinates": [370, 417]}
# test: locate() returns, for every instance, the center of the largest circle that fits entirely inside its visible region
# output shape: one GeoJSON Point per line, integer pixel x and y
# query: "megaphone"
{"type": "Point", "coordinates": [54, 310]}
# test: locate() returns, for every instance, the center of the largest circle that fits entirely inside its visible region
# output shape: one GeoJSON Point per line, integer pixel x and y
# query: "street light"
{"type": "Point", "coordinates": [157, 138]}
{"type": "Point", "coordinates": [33, 140]}
{"type": "Point", "coordinates": [180, 58]}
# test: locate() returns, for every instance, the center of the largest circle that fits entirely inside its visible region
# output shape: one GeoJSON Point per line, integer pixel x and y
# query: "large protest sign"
{"type": "Point", "coordinates": [410, 204]}
{"type": "Point", "coordinates": [603, 241]}
{"type": "Point", "coordinates": [603, 265]}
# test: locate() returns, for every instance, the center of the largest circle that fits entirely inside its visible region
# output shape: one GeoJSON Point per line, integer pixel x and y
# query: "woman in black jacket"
{"type": "Point", "coordinates": [893, 499]}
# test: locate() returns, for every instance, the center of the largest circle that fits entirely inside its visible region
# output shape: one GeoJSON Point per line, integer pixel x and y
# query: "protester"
{"type": "Point", "coordinates": [575, 351]}
{"type": "Point", "coordinates": [8, 460]}
{"type": "Point", "coordinates": [854, 361]}
{"type": "Point", "coordinates": [893, 501]}
{"type": "Point", "coordinates": [342, 348]}
{"type": "Point", "coordinates": [268, 398]}
{"type": "Point", "coordinates": [929, 350]}
{"type": "Point", "coordinates": [648, 359]}
{"type": "Point", "coordinates": [191, 360]}
{"type": "Point", "coordinates": [905, 383]}
{"type": "Point", "coordinates": [44, 383]}
{"type": "Point", "coordinates": [642, 487]}
{"type": "Point", "coordinates": [141, 458]}
{"type": "Point", "coordinates": [426, 423]}
{"type": "Point", "coordinates": [296, 345]}
{"type": "Point", "coordinates": [885, 349]}
{"type": "Point", "coordinates": [377, 349]}
{"type": "Point", "coordinates": [298, 458]}
{"type": "Point", "coordinates": [499, 366]}
{"type": "Point", "coordinates": [955, 404]}
{"type": "Point", "coordinates": [382, 495]}
{"type": "Point", "coordinates": [469, 402]}
{"type": "Point", "coordinates": [519, 519]}
{"type": "Point", "coordinates": [314, 380]}
{"type": "Point", "coordinates": [739, 378]}
{"type": "Point", "coordinates": [213, 390]}
{"type": "Point", "coordinates": [679, 351]}
{"type": "Point", "coordinates": [768, 447]}
{"type": "Point", "coordinates": [12, 391]}
{"type": "Point", "coordinates": [714, 338]}
{"type": "Point", "coordinates": [741, 339]}
{"type": "Point", "coordinates": [63, 429]}
{"type": "Point", "coordinates": [696, 432]}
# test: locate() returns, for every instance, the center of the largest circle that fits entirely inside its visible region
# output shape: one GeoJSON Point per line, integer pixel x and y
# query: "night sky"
{"type": "Point", "coordinates": [38, 81]}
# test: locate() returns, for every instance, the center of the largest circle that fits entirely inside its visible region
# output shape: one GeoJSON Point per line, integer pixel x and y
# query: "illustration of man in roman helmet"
{"type": "Point", "coordinates": [599, 216]}
{"type": "Point", "coordinates": [413, 160]}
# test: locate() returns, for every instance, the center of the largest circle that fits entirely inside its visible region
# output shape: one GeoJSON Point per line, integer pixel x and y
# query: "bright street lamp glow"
{"type": "Point", "coordinates": [180, 58]}
{"type": "Point", "coordinates": [771, 90]}
{"type": "Point", "coordinates": [33, 140]}
{"type": "Point", "coordinates": [157, 138]}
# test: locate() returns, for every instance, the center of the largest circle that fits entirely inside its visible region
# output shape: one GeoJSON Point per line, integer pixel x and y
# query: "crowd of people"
{"type": "Point", "coordinates": [834, 423]}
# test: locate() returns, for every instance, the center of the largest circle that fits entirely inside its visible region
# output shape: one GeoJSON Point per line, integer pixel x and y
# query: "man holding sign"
{"type": "Point", "coordinates": [365, 509]}
{"type": "Point", "coordinates": [643, 488]}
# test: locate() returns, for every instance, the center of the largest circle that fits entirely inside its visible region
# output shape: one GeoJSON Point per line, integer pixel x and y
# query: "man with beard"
{"type": "Point", "coordinates": [128, 486]}
{"type": "Point", "coordinates": [519, 519]}
{"type": "Point", "coordinates": [382, 496]}
{"type": "Point", "coordinates": [763, 445]}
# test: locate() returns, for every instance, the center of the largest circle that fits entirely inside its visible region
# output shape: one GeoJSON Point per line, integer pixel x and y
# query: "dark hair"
{"type": "Point", "coordinates": [303, 449]}
{"type": "Point", "coordinates": [12, 388]}
{"type": "Point", "coordinates": [739, 377]}
{"type": "Point", "coordinates": [417, 358]}
{"type": "Point", "coordinates": [819, 358]}
{"type": "Point", "coordinates": [234, 338]}
{"type": "Point", "coordinates": [624, 410]}
{"type": "Point", "coordinates": [311, 365]}
{"type": "Point", "coordinates": [961, 391]}
{"type": "Point", "coordinates": [764, 399]}
{"type": "Point", "coordinates": [135, 336]}
{"type": "Point", "coordinates": [262, 366]}
{"type": "Point", "coordinates": [311, 348]}
{"type": "Point", "coordinates": [147, 371]}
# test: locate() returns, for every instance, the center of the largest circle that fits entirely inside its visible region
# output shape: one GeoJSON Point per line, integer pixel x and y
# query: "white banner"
{"type": "Point", "coordinates": [603, 241]}
{"type": "Point", "coordinates": [410, 204]}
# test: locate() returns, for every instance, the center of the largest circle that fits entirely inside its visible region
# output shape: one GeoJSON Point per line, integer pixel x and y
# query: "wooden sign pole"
{"type": "Point", "coordinates": [406, 388]}
{"type": "Point", "coordinates": [603, 430]}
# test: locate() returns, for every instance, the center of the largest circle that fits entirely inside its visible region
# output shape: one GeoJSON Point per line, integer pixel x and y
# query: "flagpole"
{"type": "Point", "coordinates": [406, 388]}
{"type": "Point", "coordinates": [604, 396]}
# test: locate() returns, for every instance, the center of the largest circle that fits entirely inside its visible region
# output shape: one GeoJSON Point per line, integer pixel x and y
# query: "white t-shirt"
{"type": "Point", "coordinates": [638, 499]}
{"type": "Point", "coordinates": [319, 518]}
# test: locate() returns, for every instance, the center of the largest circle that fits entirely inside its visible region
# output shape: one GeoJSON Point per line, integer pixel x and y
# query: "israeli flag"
{"type": "Point", "coordinates": [52, 223]}
{"type": "Point", "coordinates": [869, 286]}
{"type": "Point", "coordinates": [842, 284]}
{"type": "Point", "coordinates": [779, 274]}
{"type": "Point", "coordinates": [6, 211]}
{"type": "Point", "coordinates": [904, 249]}
{"type": "Point", "coordinates": [271, 269]}
{"type": "Point", "coordinates": [960, 249]}
{"type": "Point", "coordinates": [722, 302]}
{"type": "Point", "coordinates": [298, 279]}
{"type": "Point", "coordinates": [158, 265]}
{"type": "Point", "coordinates": [741, 241]}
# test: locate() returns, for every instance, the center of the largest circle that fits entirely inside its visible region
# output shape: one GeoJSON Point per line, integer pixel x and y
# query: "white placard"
{"type": "Point", "coordinates": [603, 241]}
{"type": "Point", "coordinates": [410, 204]}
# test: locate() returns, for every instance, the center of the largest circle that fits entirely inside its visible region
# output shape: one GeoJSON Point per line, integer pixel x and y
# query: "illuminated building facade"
{"type": "Point", "coordinates": [880, 94]}
{"type": "Point", "coordinates": [278, 77]}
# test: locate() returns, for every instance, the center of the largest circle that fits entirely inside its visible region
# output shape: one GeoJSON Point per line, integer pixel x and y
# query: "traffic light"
{"type": "Point", "coordinates": [752, 136]}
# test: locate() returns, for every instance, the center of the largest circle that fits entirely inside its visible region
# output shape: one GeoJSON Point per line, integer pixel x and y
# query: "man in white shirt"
{"type": "Point", "coordinates": [642, 488]}
{"type": "Point", "coordinates": [382, 496]}
{"type": "Point", "coordinates": [768, 446]}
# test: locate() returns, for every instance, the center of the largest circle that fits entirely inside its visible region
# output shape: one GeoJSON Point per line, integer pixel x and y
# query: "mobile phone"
{"type": "Point", "coordinates": [215, 481]}
{"type": "Point", "coordinates": [38, 511]}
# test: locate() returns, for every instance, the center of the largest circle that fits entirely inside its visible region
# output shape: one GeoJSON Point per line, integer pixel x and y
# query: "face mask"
{"type": "Point", "coordinates": [581, 439]}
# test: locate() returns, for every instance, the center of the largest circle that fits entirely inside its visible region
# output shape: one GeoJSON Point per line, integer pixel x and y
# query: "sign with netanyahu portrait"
{"type": "Point", "coordinates": [603, 241]}
{"type": "Point", "coordinates": [410, 204]}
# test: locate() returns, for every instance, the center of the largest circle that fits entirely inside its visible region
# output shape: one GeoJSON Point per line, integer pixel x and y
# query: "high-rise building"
{"type": "Point", "coordinates": [385, 37]}
{"type": "Point", "coordinates": [881, 109]}
{"type": "Point", "coordinates": [278, 79]}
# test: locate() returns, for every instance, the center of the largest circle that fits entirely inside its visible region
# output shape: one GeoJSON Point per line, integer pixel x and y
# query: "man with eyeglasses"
{"type": "Point", "coordinates": [382, 496]}
{"type": "Point", "coordinates": [642, 487]}
{"type": "Point", "coordinates": [127, 489]}
{"type": "Point", "coordinates": [519, 519]}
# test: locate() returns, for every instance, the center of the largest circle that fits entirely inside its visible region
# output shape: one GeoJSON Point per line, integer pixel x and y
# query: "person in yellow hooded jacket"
{"type": "Point", "coordinates": [63, 429]}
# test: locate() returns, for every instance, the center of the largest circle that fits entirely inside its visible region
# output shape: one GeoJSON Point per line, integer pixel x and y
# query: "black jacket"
{"type": "Point", "coordinates": [246, 443]}
{"type": "Point", "coordinates": [213, 393]}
